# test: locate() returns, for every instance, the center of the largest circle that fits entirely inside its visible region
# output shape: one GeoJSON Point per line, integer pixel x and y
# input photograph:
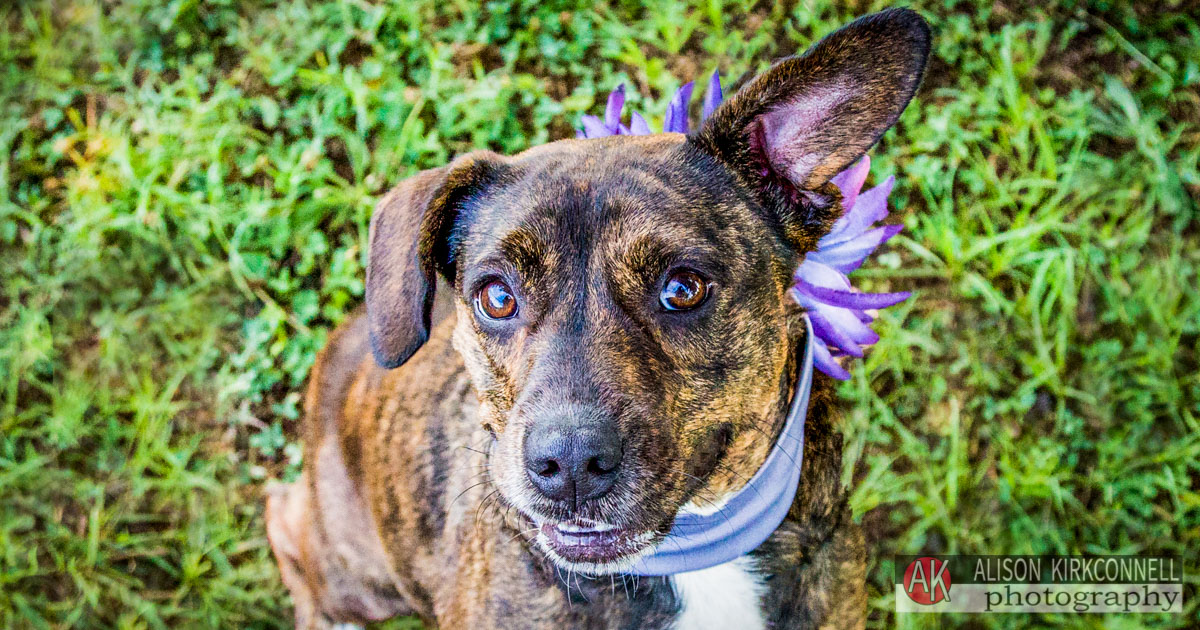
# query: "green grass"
{"type": "Point", "coordinates": [184, 192]}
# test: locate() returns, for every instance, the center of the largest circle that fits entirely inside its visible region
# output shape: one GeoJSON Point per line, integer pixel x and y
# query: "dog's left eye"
{"type": "Point", "coordinates": [496, 301]}
{"type": "Point", "coordinates": [684, 291]}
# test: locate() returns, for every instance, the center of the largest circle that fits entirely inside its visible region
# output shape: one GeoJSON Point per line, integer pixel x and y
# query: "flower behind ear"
{"type": "Point", "coordinates": [593, 127]}
{"type": "Point", "coordinates": [676, 119]}
{"type": "Point", "coordinates": [713, 96]}
{"type": "Point", "coordinates": [840, 315]}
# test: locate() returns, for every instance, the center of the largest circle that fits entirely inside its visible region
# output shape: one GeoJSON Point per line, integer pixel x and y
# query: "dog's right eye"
{"type": "Point", "coordinates": [496, 301]}
{"type": "Point", "coordinates": [684, 291]}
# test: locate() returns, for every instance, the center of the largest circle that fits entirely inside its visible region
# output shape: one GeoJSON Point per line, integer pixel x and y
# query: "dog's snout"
{"type": "Point", "coordinates": [572, 462]}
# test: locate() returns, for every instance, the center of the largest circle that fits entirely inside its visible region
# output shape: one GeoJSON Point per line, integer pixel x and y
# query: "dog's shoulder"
{"type": "Point", "coordinates": [346, 385]}
{"type": "Point", "coordinates": [335, 368]}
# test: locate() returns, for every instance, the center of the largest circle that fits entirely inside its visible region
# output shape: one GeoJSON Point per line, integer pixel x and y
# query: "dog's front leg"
{"type": "Point", "coordinates": [323, 566]}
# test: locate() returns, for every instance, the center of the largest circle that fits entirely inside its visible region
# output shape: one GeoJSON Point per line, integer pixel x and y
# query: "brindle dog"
{"type": "Point", "coordinates": [621, 348]}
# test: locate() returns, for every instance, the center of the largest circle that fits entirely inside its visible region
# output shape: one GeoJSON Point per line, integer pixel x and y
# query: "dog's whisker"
{"type": "Point", "coordinates": [524, 532]}
{"type": "Point", "coordinates": [485, 499]}
{"type": "Point", "coordinates": [466, 490]}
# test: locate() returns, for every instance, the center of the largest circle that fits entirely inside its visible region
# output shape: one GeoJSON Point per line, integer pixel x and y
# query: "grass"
{"type": "Point", "coordinates": [184, 191]}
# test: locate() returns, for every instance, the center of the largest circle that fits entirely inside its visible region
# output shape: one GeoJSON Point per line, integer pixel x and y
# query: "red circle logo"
{"type": "Point", "coordinates": [927, 580]}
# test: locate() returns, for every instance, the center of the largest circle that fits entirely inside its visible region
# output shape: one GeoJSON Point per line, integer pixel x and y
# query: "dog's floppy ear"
{"type": "Point", "coordinates": [799, 123]}
{"type": "Point", "coordinates": [409, 246]}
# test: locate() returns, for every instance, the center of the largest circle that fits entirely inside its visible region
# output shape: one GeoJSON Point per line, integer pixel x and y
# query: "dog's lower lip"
{"type": "Point", "coordinates": [589, 541]}
{"type": "Point", "coordinates": [583, 539]}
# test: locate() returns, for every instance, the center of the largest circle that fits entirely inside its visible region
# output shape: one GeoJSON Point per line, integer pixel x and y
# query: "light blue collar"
{"type": "Point", "coordinates": [749, 517]}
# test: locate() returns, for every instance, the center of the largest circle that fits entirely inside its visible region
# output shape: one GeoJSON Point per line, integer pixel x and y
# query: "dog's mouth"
{"type": "Point", "coordinates": [592, 546]}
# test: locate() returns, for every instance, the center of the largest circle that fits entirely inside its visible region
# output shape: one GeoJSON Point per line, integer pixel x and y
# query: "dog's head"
{"type": "Point", "coordinates": [622, 301]}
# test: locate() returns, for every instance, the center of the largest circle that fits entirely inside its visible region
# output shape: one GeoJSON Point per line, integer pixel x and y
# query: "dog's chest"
{"type": "Point", "coordinates": [724, 596]}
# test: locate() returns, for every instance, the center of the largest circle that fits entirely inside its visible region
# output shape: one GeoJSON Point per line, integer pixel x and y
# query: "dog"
{"type": "Point", "coordinates": [611, 346]}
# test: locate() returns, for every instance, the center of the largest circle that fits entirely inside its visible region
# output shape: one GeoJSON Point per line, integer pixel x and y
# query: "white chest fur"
{"type": "Point", "coordinates": [725, 596]}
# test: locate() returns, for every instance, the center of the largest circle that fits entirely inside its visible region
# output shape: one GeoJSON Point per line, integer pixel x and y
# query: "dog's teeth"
{"type": "Point", "coordinates": [592, 528]}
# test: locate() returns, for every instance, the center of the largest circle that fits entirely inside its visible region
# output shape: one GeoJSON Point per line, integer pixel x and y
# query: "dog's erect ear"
{"type": "Point", "coordinates": [798, 124]}
{"type": "Point", "coordinates": [409, 246]}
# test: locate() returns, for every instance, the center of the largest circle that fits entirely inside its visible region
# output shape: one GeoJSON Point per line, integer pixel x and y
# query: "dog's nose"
{"type": "Point", "coordinates": [573, 463]}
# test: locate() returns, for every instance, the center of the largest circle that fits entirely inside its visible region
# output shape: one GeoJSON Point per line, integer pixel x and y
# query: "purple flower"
{"type": "Point", "coordinates": [838, 312]}
{"type": "Point", "coordinates": [676, 119]}
{"type": "Point", "coordinates": [593, 127]}
{"type": "Point", "coordinates": [713, 96]}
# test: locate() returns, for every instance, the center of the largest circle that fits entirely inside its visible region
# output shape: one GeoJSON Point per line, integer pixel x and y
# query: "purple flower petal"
{"type": "Point", "coordinates": [637, 125]}
{"type": "Point", "coordinates": [822, 275]}
{"type": "Point", "coordinates": [833, 335]}
{"type": "Point", "coordinates": [850, 323]}
{"type": "Point", "coordinates": [612, 113]}
{"type": "Point", "coordinates": [851, 180]}
{"type": "Point", "coordinates": [847, 322]}
{"type": "Point", "coordinates": [869, 208]}
{"type": "Point", "coordinates": [712, 96]}
{"type": "Point", "coordinates": [825, 362]}
{"type": "Point", "coordinates": [848, 299]}
{"type": "Point", "coordinates": [677, 110]}
{"type": "Point", "coordinates": [593, 127]}
{"type": "Point", "coordinates": [836, 309]}
{"type": "Point", "coordinates": [848, 255]}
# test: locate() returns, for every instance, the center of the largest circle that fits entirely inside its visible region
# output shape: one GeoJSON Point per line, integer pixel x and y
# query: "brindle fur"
{"type": "Point", "coordinates": [414, 498]}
